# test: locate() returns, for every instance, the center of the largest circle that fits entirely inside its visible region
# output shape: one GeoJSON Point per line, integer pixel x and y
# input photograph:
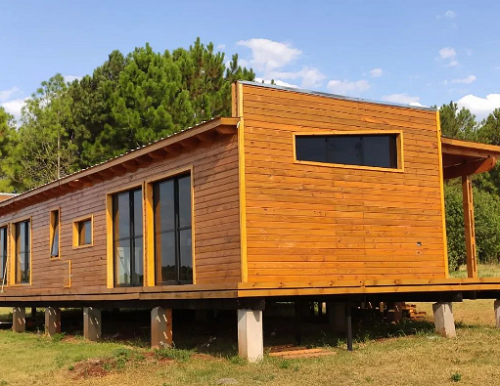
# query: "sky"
{"type": "Point", "coordinates": [420, 53]}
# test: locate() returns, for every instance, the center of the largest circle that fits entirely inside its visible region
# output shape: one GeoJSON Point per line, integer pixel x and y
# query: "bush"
{"type": "Point", "coordinates": [487, 223]}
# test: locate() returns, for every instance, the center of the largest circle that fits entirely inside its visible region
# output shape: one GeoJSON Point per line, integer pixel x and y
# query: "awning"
{"type": "Point", "coordinates": [464, 158]}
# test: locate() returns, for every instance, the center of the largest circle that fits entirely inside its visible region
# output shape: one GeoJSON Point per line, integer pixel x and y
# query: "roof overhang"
{"type": "Point", "coordinates": [129, 162]}
{"type": "Point", "coordinates": [464, 158]}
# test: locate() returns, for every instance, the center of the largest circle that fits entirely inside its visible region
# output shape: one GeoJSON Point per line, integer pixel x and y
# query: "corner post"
{"type": "Point", "coordinates": [92, 323]}
{"type": "Point", "coordinates": [18, 319]}
{"type": "Point", "coordinates": [52, 321]}
{"type": "Point", "coordinates": [470, 232]}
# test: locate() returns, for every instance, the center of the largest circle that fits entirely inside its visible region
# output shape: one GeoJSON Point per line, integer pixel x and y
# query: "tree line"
{"type": "Point", "coordinates": [134, 99]}
{"type": "Point", "coordinates": [127, 102]}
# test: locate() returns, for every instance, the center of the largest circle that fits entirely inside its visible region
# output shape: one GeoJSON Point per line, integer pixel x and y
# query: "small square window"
{"type": "Point", "coordinates": [82, 232]}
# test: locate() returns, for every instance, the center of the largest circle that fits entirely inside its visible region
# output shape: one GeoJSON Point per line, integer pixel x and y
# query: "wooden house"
{"type": "Point", "coordinates": [298, 195]}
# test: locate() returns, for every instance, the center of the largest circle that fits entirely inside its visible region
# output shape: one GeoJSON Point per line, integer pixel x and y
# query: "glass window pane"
{"type": "Point", "coordinates": [138, 274]}
{"type": "Point", "coordinates": [138, 230]}
{"type": "Point", "coordinates": [88, 232]}
{"type": "Point", "coordinates": [344, 149]}
{"type": "Point", "coordinates": [3, 252]}
{"type": "Point", "coordinates": [122, 262]}
{"type": "Point", "coordinates": [184, 201]}
{"type": "Point", "coordinates": [165, 257]}
{"type": "Point", "coordinates": [311, 148]}
{"type": "Point", "coordinates": [164, 206]}
{"type": "Point", "coordinates": [22, 252]}
{"type": "Point", "coordinates": [186, 269]}
{"type": "Point", "coordinates": [54, 250]}
{"type": "Point", "coordinates": [378, 150]}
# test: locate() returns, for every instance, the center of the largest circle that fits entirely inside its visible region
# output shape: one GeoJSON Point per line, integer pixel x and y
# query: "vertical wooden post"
{"type": "Point", "coordinates": [19, 319]}
{"type": "Point", "coordinates": [161, 327]}
{"type": "Point", "coordinates": [470, 232]}
{"type": "Point", "coordinates": [52, 321]}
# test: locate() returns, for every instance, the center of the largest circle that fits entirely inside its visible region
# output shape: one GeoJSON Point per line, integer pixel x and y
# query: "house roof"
{"type": "Point", "coordinates": [335, 96]}
{"type": "Point", "coordinates": [132, 160]}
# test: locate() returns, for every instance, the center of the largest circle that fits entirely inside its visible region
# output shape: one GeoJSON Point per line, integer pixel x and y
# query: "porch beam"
{"type": "Point", "coordinates": [470, 232]}
{"type": "Point", "coordinates": [468, 168]}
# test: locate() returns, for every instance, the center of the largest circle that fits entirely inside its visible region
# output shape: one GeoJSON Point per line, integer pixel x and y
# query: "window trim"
{"type": "Point", "coordinates": [399, 149]}
{"type": "Point", "coordinates": [149, 206]}
{"type": "Point", "coordinates": [51, 233]}
{"type": "Point", "coordinates": [12, 250]}
{"type": "Point", "coordinates": [76, 234]}
{"type": "Point", "coordinates": [8, 241]}
{"type": "Point", "coordinates": [110, 262]}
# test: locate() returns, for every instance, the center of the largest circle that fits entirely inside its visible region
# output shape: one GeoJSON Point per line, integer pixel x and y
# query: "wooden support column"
{"type": "Point", "coordinates": [337, 316]}
{"type": "Point", "coordinates": [52, 321]}
{"type": "Point", "coordinates": [19, 319]}
{"type": "Point", "coordinates": [470, 232]}
{"type": "Point", "coordinates": [161, 327]}
{"type": "Point", "coordinates": [92, 324]}
{"type": "Point", "coordinates": [443, 319]}
{"type": "Point", "coordinates": [496, 307]}
{"type": "Point", "coordinates": [250, 335]}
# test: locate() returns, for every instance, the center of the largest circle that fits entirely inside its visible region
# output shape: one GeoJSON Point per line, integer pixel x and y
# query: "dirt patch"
{"type": "Point", "coordinates": [91, 368]}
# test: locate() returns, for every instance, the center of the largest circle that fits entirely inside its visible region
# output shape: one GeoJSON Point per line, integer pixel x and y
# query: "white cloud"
{"type": "Point", "coordinates": [467, 80]}
{"type": "Point", "coordinates": [404, 99]}
{"type": "Point", "coordinates": [7, 94]}
{"type": "Point", "coordinates": [71, 78]}
{"type": "Point", "coordinates": [277, 82]}
{"type": "Point", "coordinates": [447, 53]}
{"type": "Point", "coordinates": [376, 72]}
{"type": "Point", "coordinates": [450, 14]}
{"type": "Point", "coordinates": [221, 46]}
{"type": "Point", "coordinates": [311, 77]}
{"type": "Point", "coordinates": [14, 107]}
{"type": "Point", "coordinates": [481, 107]}
{"type": "Point", "coordinates": [268, 55]}
{"type": "Point", "coordinates": [344, 87]}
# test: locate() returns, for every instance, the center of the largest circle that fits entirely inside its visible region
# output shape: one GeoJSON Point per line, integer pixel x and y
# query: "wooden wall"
{"type": "Point", "coordinates": [216, 221]}
{"type": "Point", "coordinates": [307, 223]}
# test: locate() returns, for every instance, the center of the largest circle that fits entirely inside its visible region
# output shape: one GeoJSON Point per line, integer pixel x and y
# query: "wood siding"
{"type": "Point", "coordinates": [216, 222]}
{"type": "Point", "coordinates": [316, 223]}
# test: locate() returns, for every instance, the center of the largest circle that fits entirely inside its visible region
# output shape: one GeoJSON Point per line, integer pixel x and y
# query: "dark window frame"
{"type": "Point", "coordinates": [132, 237]}
{"type": "Point", "coordinates": [27, 252]}
{"type": "Point", "coordinates": [177, 230]}
{"type": "Point", "coordinates": [396, 166]}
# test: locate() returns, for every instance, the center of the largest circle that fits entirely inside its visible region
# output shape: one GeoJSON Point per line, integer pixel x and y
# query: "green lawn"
{"type": "Point", "coordinates": [398, 359]}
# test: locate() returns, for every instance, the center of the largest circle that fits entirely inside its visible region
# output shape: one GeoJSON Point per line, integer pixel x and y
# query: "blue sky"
{"type": "Point", "coordinates": [425, 52]}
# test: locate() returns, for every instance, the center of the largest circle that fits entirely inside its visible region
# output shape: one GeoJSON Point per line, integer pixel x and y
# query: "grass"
{"type": "Point", "coordinates": [422, 358]}
{"type": "Point", "coordinates": [483, 270]}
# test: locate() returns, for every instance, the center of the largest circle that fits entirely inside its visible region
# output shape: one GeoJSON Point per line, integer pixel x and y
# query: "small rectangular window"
{"type": "Point", "coordinates": [54, 233]}
{"type": "Point", "coordinates": [22, 239]}
{"type": "Point", "coordinates": [82, 232]}
{"type": "Point", "coordinates": [371, 150]}
{"type": "Point", "coordinates": [3, 254]}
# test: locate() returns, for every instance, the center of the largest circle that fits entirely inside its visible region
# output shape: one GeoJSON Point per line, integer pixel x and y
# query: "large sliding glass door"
{"type": "Point", "coordinates": [128, 238]}
{"type": "Point", "coordinates": [173, 230]}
